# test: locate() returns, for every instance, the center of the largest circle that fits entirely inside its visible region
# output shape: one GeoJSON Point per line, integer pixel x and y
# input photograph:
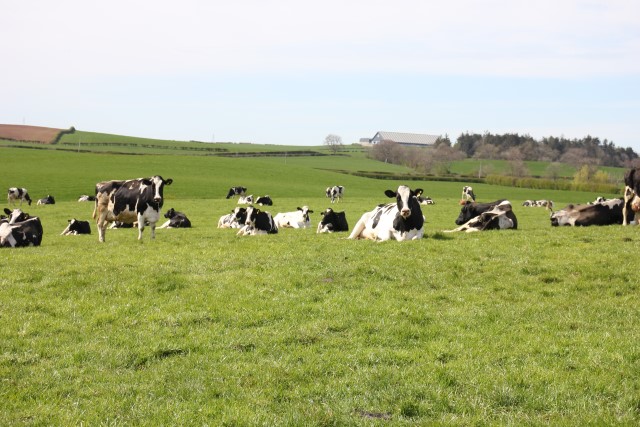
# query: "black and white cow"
{"type": "Point", "coordinates": [631, 194]}
{"type": "Point", "coordinates": [235, 219]}
{"type": "Point", "coordinates": [296, 219]}
{"type": "Point", "coordinates": [499, 217]}
{"type": "Point", "coordinates": [135, 200]}
{"type": "Point", "coordinates": [76, 227]}
{"type": "Point", "coordinates": [332, 221]}
{"type": "Point", "coordinates": [20, 230]}
{"type": "Point", "coordinates": [402, 220]}
{"type": "Point", "coordinates": [471, 210]}
{"type": "Point", "coordinates": [176, 220]}
{"type": "Point", "coordinates": [606, 213]}
{"type": "Point", "coordinates": [529, 203]}
{"type": "Point", "coordinates": [257, 222]}
{"type": "Point", "coordinates": [49, 200]}
{"type": "Point", "coordinates": [335, 193]}
{"type": "Point", "coordinates": [264, 201]}
{"type": "Point", "coordinates": [468, 194]}
{"type": "Point", "coordinates": [16, 193]}
{"type": "Point", "coordinates": [236, 191]}
{"type": "Point", "coordinates": [85, 198]}
{"type": "Point", "coordinates": [245, 200]}
{"type": "Point", "coordinates": [120, 224]}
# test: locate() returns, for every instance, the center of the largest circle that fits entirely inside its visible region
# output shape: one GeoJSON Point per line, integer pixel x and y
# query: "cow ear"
{"type": "Point", "coordinates": [7, 211]}
{"type": "Point", "coordinates": [69, 221]}
{"type": "Point", "coordinates": [310, 211]}
{"type": "Point", "coordinates": [299, 208]}
{"type": "Point", "coordinates": [168, 182]}
{"type": "Point", "coordinates": [390, 193]}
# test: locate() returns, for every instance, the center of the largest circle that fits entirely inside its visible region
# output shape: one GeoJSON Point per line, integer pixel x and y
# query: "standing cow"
{"type": "Point", "coordinates": [16, 193]}
{"type": "Point", "coordinates": [468, 194]}
{"type": "Point", "coordinates": [135, 200]}
{"type": "Point", "coordinates": [335, 193]}
{"type": "Point", "coordinates": [236, 191]}
{"type": "Point", "coordinates": [401, 220]}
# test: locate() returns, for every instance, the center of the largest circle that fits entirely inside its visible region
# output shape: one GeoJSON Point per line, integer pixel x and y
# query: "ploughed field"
{"type": "Point", "coordinates": [530, 326]}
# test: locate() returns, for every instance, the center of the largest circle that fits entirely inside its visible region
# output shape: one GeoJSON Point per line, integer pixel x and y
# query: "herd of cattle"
{"type": "Point", "coordinates": [138, 202]}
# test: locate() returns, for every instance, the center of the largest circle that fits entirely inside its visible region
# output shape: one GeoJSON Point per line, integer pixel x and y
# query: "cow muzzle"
{"type": "Point", "coordinates": [405, 213]}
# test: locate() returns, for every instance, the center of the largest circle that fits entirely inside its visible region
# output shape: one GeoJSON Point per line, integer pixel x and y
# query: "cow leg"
{"type": "Point", "coordinates": [356, 233]}
{"type": "Point", "coordinates": [102, 226]}
{"type": "Point", "coordinates": [628, 195]}
{"type": "Point", "coordinates": [140, 226]}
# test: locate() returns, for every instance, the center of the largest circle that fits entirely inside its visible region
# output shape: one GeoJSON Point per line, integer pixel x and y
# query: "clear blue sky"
{"type": "Point", "coordinates": [292, 72]}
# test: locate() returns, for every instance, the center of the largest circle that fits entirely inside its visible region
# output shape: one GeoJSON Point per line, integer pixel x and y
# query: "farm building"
{"type": "Point", "coordinates": [402, 138]}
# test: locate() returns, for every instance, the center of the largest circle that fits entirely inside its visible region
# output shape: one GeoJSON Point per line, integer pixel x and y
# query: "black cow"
{"type": "Point", "coordinates": [49, 200]}
{"type": "Point", "coordinates": [135, 200]}
{"type": "Point", "coordinates": [264, 200]}
{"type": "Point", "coordinates": [76, 227]}
{"type": "Point", "coordinates": [236, 191]}
{"type": "Point", "coordinates": [176, 220]}
{"type": "Point", "coordinates": [15, 193]}
{"type": "Point", "coordinates": [21, 233]}
{"type": "Point", "coordinates": [471, 210]}
{"type": "Point", "coordinates": [402, 220]}
{"type": "Point", "coordinates": [605, 213]}
{"type": "Point", "coordinates": [499, 217]}
{"type": "Point", "coordinates": [332, 221]}
{"type": "Point", "coordinates": [258, 222]}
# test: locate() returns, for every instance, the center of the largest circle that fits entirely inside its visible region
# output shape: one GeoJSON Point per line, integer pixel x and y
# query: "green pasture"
{"type": "Point", "coordinates": [535, 326]}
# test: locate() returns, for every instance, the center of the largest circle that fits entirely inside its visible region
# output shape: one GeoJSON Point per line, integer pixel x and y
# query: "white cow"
{"type": "Point", "coordinates": [295, 219]}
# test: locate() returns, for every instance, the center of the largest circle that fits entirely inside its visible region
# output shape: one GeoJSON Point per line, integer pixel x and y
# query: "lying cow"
{"type": "Point", "coordinates": [257, 222]}
{"type": "Point", "coordinates": [120, 224]}
{"type": "Point", "coordinates": [401, 220]}
{"type": "Point", "coordinates": [296, 219]}
{"type": "Point", "coordinates": [264, 201]}
{"type": "Point", "coordinates": [471, 210]}
{"type": "Point", "coordinates": [335, 193]}
{"type": "Point", "coordinates": [20, 229]}
{"type": "Point", "coordinates": [499, 217]}
{"type": "Point", "coordinates": [16, 193]}
{"type": "Point", "coordinates": [236, 191]}
{"type": "Point", "coordinates": [85, 198]}
{"type": "Point", "coordinates": [332, 221]}
{"type": "Point", "coordinates": [76, 227]}
{"type": "Point", "coordinates": [423, 200]}
{"type": "Point", "coordinates": [245, 200]}
{"type": "Point", "coordinates": [176, 220]}
{"type": "Point", "coordinates": [235, 219]}
{"type": "Point", "coordinates": [135, 200]}
{"type": "Point", "coordinates": [49, 200]}
{"type": "Point", "coordinates": [584, 215]}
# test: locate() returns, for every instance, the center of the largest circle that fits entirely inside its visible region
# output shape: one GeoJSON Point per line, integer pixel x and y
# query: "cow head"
{"type": "Point", "coordinates": [405, 200]}
{"type": "Point", "coordinates": [16, 215]}
{"type": "Point", "coordinates": [466, 213]}
{"type": "Point", "coordinates": [170, 213]}
{"type": "Point", "coordinates": [157, 183]}
{"type": "Point", "coordinates": [305, 212]}
{"type": "Point", "coordinates": [566, 216]}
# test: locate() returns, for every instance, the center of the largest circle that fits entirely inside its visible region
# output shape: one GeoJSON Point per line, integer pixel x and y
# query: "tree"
{"type": "Point", "coordinates": [334, 142]}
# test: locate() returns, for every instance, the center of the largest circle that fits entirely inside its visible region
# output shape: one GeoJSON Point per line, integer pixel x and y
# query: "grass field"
{"type": "Point", "coordinates": [536, 326]}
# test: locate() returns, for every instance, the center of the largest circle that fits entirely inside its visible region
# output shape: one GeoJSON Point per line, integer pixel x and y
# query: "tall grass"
{"type": "Point", "coordinates": [534, 326]}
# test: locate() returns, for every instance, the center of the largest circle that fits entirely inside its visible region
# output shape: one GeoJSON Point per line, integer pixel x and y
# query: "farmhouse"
{"type": "Point", "coordinates": [402, 138]}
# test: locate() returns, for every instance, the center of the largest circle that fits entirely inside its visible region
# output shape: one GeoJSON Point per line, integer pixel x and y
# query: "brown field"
{"type": "Point", "coordinates": [29, 133]}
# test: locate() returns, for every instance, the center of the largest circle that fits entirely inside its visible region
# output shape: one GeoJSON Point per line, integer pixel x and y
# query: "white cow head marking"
{"type": "Point", "coordinates": [403, 197]}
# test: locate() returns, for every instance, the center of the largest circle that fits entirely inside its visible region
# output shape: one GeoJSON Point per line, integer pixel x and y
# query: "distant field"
{"type": "Point", "coordinates": [39, 134]}
{"type": "Point", "coordinates": [535, 326]}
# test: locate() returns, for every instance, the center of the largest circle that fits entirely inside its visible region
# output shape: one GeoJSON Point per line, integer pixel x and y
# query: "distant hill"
{"type": "Point", "coordinates": [43, 135]}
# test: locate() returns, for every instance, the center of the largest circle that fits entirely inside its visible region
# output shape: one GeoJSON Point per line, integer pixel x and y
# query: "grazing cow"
{"type": "Point", "coordinates": [468, 194]}
{"type": "Point", "coordinates": [49, 200]}
{"type": "Point", "coordinates": [236, 191]}
{"type": "Point", "coordinates": [235, 219]}
{"type": "Point", "coordinates": [401, 220]}
{"type": "Point", "coordinates": [85, 198]}
{"type": "Point", "coordinates": [335, 193]}
{"type": "Point", "coordinates": [332, 221]}
{"type": "Point", "coordinates": [19, 234]}
{"type": "Point", "coordinates": [15, 193]}
{"type": "Point", "coordinates": [631, 194]}
{"type": "Point", "coordinates": [130, 201]}
{"type": "Point", "coordinates": [584, 215]}
{"type": "Point", "coordinates": [295, 219]}
{"type": "Point", "coordinates": [499, 217]}
{"type": "Point", "coordinates": [176, 220]}
{"type": "Point", "coordinates": [76, 227]}
{"type": "Point", "coordinates": [245, 200]}
{"type": "Point", "coordinates": [257, 222]}
{"type": "Point", "coordinates": [264, 201]}
{"type": "Point", "coordinates": [471, 210]}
